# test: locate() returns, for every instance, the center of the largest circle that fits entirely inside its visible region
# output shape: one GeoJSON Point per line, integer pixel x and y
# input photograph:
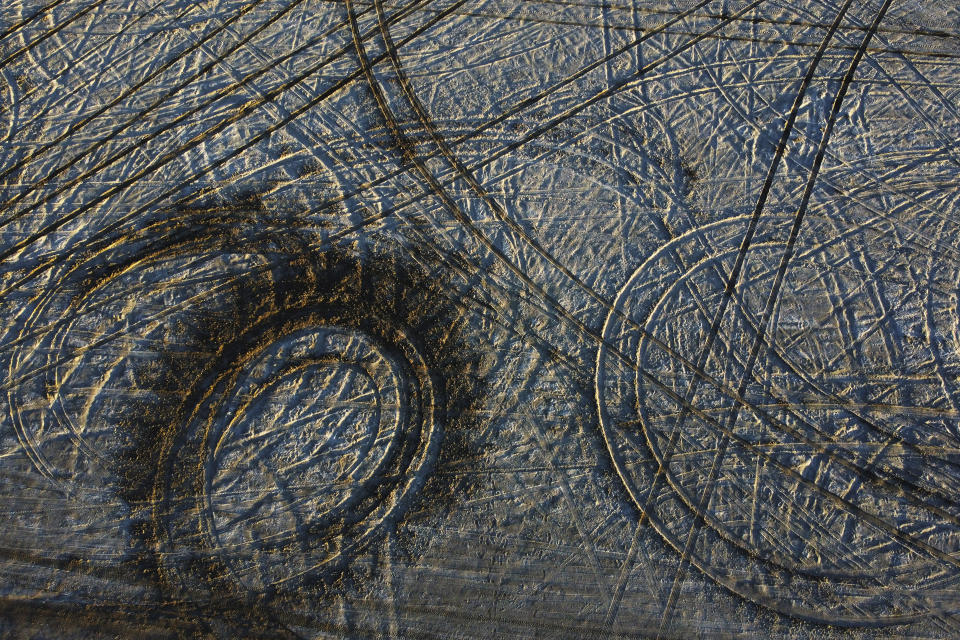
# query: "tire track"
{"type": "Point", "coordinates": [172, 154]}
{"type": "Point", "coordinates": [90, 52]}
{"type": "Point", "coordinates": [906, 540]}
{"type": "Point", "coordinates": [735, 274]}
{"type": "Point", "coordinates": [771, 301]}
{"type": "Point", "coordinates": [77, 126]}
{"type": "Point", "coordinates": [886, 478]}
{"type": "Point", "coordinates": [483, 163]}
{"type": "Point", "coordinates": [237, 115]}
{"type": "Point", "coordinates": [666, 347]}
{"type": "Point", "coordinates": [669, 350]}
{"type": "Point", "coordinates": [48, 33]}
{"type": "Point", "coordinates": [408, 148]}
{"type": "Point", "coordinates": [813, 22]}
{"type": "Point", "coordinates": [475, 132]}
{"type": "Point", "coordinates": [815, 445]}
{"type": "Point", "coordinates": [533, 19]}
{"type": "Point", "coordinates": [25, 21]}
{"type": "Point", "coordinates": [542, 294]}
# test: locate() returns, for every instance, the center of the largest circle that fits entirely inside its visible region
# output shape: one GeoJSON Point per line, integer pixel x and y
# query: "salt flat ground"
{"type": "Point", "coordinates": [479, 319]}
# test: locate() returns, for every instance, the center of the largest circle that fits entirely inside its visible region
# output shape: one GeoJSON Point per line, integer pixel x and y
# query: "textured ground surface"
{"type": "Point", "coordinates": [479, 319]}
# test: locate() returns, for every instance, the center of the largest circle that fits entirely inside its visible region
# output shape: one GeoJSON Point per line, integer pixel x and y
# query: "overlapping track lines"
{"type": "Point", "coordinates": [740, 400]}
{"type": "Point", "coordinates": [106, 139]}
{"type": "Point", "coordinates": [861, 224]}
{"type": "Point", "coordinates": [493, 122]}
{"type": "Point", "coordinates": [41, 114]}
{"type": "Point", "coordinates": [471, 135]}
{"type": "Point", "coordinates": [700, 509]}
{"type": "Point", "coordinates": [237, 115]}
{"type": "Point", "coordinates": [292, 115]}
{"type": "Point", "coordinates": [437, 188]}
{"type": "Point", "coordinates": [949, 144]}
{"type": "Point", "coordinates": [532, 18]}
{"type": "Point", "coordinates": [49, 33]}
{"type": "Point", "coordinates": [244, 111]}
{"type": "Point", "coordinates": [500, 214]}
{"type": "Point", "coordinates": [727, 296]}
{"type": "Point", "coordinates": [848, 78]}
{"type": "Point", "coordinates": [23, 22]}
{"type": "Point", "coordinates": [713, 333]}
{"type": "Point", "coordinates": [421, 114]}
{"type": "Point", "coordinates": [537, 132]}
{"type": "Point", "coordinates": [763, 20]}
{"type": "Point", "coordinates": [821, 150]}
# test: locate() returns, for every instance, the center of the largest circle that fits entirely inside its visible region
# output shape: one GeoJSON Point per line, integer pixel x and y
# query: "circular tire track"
{"type": "Point", "coordinates": [266, 408]}
{"type": "Point", "coordinates": [349, 409]}
{"type": "Point", "coordinates": [786, 523]}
